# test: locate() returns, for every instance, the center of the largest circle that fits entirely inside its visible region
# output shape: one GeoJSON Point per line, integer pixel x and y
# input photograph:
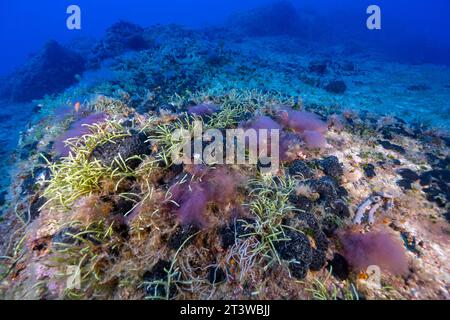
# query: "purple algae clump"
{"type": "Point", "coordinates": [299, 130]}
{"type": "Point", "coordinates": [77, 129]}
{"type": "Point", "coordinates": [192, 198]}
{"type": "Point", "coordinates": [314, 139]}
{"type": "Point", "coordinates": [203, 109]}
{"type": "Point", "coordinates": [301, 121]}
{"type": "Point", "coordinates": [263, 123]}
{"type": "Point", "coordinates": [306, 125]}
{"type": "Point", "coordinates": [378, 247]}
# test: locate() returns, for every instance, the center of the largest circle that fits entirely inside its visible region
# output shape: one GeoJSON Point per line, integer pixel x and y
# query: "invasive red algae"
{"type": "Point", "coordinates": [336, 122]}
{"type": "Point", "coordinates": [203, 109]}
{"type": "Point", "coordinates": [192, 198]}
{"type": "Point", "coordinates": [308, 131]}
{"type": "Point", "coordinates": [77, 129]}
{"type": "Point", "coordinates": [306, 125]}
{"type": "Point", "coordinates": [301, 121]}
{"type": "Point", "coordinates": [314, 139]}
{"type": "Point", "coordinates": [290, 144]}
{"type": "Point", "coordinates": [263, 122]}
{"type": "Point", "coordinates": [378, 247]}
{"type": "Point", "coordinates": [263, 140]}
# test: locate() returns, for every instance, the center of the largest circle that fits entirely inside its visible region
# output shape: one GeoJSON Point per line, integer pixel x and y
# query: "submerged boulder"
{"type": "Point", "coordinates": [318, 67]}
{"type": "Point", "coordinates": [279, 18]}
{"type": "Point", "coordinates": [301, 168]}
{"type": "Point", "coordinates": [390, 146]}
{"type": "Point", "coordinates": [50, 71]}
{"type": "Point", "coordinates": [120, 37]}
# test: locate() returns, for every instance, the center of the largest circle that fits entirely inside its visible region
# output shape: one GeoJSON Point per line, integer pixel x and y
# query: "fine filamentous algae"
{"type": "Point", "coordinates": [221, 150]}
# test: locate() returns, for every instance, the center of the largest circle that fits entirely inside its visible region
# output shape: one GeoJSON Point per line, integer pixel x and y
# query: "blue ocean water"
{"type": "Point", "coordinates": [402, 69]}
{"type": "Point", "coordinates": [412, 30]}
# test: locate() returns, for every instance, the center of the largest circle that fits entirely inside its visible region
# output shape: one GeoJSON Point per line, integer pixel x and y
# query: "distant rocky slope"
{"type": "Point", "coordinates": [50, 71]}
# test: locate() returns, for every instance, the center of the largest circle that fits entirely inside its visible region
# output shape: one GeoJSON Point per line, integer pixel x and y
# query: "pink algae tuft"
{"type": "Point", "coordinates": [336, 122]}
{"type": "Point", "coordinates": [306, 125]}
{"type": "Point", "coordinates": [77, 129]}
{"type": "Point", "coordinates": [314, 139]}
{"type": "Point", "coordinates": [380, 248]}
{"type": "Point", "coordinates": [191, 198]}
{"type": "Point", "coordinates": [203, 109]}
{"type": "Point", "coordinates": [262, 123]}
{"type": "Point", "coordinates": [301, 121]}
{"type": "Point", "coordinates": [291, 144]}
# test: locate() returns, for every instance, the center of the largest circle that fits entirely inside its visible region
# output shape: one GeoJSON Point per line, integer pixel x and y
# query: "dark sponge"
{"type": "Point", "coordinates": [156, 274]}
{"type": "Point", "coordinates": [331, 167]}
{"type": "Point", "coordinates": [128, 147]}
{"type": "Point", "coordinates": [299, 167]}
{"type": "Point", "coordinates": [297, 251]}
{"type": "Point", "coordinates": [318, 260]}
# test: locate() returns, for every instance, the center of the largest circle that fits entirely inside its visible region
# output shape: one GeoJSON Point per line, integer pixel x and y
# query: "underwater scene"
{"type": "Point", "coordinates": [225, 150]}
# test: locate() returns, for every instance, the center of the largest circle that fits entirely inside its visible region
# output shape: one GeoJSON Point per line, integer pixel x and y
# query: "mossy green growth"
{"type": "Point", "coordinates": [85, 256]}
{"type": "Point", "coordinates": [269, 203]}
{"type": "Point", "coordinates": [235, 104]}
{"type": "Point", "coordinates": [324, 290]}
{"type": "Point", "coordinates": [170, 137]}
{"type": "Point", "coordinates": [77, 174]}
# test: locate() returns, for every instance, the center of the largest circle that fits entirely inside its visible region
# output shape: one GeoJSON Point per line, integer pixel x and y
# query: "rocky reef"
{"type": "Point", "coordinates": [50, 71]}
{"type": "Point", "coordinates": [97, 187]}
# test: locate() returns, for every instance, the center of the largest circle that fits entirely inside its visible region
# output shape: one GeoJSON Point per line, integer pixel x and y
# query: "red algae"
{"type": "Point", "coordinates": [77, 129]}
{"type": "Point", "coordinates": [192, 198]}
{"type": "Point", "coordinates": [306, 125]}
{"type": "Point", "coordinates": [314, 139]}
{"type": "Point", "coordinates": [301, 121]}
{"type": "Point", "coordinates": [290, 145]}
{"type": "Point", "coordinates": [336, 122]}
{"type": "Point", "coordinates": [380, 248]}
{"type": "Point", "coordinates": [263, 123]}
{"type": "Point", "coordinates": [203, 109]}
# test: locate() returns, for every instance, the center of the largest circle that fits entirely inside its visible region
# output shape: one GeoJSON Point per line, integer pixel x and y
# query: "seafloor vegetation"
{"type": "Point", "coordinates": [93, 185]}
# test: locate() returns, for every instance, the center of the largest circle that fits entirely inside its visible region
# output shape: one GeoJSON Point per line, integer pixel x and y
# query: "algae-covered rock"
{"type": "Point", "coordinates": [331, 166]}
{"type": "Point", "coordinates": [301, 168]}
{"type": "Point", "coordinates": [129, 149]}
{"type": "Point", "coordinates": [120, 37]}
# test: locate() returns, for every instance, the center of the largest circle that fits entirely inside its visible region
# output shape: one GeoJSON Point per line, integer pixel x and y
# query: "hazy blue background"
{"type": "Point", "coordinates": [418, 30]}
